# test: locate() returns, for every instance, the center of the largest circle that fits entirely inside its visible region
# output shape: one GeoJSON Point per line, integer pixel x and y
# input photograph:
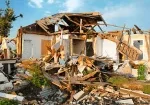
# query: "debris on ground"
{"type": "Point", "coordinates": [68, 76]}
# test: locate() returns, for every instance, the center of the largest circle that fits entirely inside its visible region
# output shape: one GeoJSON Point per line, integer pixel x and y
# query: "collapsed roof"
{"type": "Point", "coordinates": [65, 21]}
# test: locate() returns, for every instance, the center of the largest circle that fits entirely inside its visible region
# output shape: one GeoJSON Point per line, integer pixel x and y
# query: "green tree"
{"type": "Point", "coordinates": [7, 16]}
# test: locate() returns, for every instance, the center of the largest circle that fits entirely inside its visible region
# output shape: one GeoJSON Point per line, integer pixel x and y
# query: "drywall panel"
{"type": "Point", "coordinates": [109, 49]}
{"type": "Point", "coordinates": [98, 46]}
{"type": "Point", "coordinates": [105, 47]}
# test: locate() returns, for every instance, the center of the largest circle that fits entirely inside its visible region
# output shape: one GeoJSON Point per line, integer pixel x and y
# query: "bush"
{"type": "Point", "coordinates": [141, 72]}
{"type": "Point", "coordinates": [8, 102]}
{"type": "Point", "coordinates": [38, 78]}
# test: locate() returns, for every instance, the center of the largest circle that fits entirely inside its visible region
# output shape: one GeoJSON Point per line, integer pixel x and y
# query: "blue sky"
{"type": "Point", "coordinates": [118, 12]}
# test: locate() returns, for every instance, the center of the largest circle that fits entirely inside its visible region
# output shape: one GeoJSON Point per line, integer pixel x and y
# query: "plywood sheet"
{"type": "Point", "coordinates": [45, 44]}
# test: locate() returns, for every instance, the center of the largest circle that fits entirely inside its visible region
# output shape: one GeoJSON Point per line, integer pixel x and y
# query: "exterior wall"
{"type": "Point", "coordinates": [143, 48]}
{"type": "Point", "coordinates": [32, 48]}
{"type": "Point", "coordinates": [106, 47]}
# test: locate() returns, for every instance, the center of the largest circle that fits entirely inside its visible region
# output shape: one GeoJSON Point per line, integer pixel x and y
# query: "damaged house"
{"type": "Point", "coordinates": [76, 34]}
{"type": "Point", "coordinates": [75, 31]}
{"type": "Point", "coordinates": [75, 63]}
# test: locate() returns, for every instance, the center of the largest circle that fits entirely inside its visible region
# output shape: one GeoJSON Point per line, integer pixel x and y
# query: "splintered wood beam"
{"type": "Point", "coordinates": [131, 92]}
{"type": "Point", "coordinates": [147, 47]}
{"type": "Point", "coordinates": [75, 29]}
{"type": "Point", "coordinates": [100, 28]}
{"type": "Point", "coordinates": [88, 76]}
{"type": "Point", "coordinates": [140, 31]}
{"type": "Point", "coordinates": [132, 52]}
{"type": "Point", "coordinates": [123, 47]}
{"type": "Point", "coordinates": [149, 43]}
{"type": "Point", "coordinates": [80, 25]}
{"type": "Point", "coordinates": [63, 22]}
{"type": "Point", "coordinates": [91, 29]}
{"type": "Point", "coordinates": [74, 21]}
{"type": "Point", "coordinates": [87, 25]}
{"type": "Point", "coordinates": [43, 27]}
{"type": "Point", "coordinates": [129, 40]}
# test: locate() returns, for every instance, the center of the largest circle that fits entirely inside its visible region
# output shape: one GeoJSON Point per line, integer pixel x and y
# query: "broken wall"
{"type": "Point", "coordinates": [106, 47]}
{"type": "Point", "coordinates": [32, 45]}
{"type": "Point", "coordinates": [138, 40]}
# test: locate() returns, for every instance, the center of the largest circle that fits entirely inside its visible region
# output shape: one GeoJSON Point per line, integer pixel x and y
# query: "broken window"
{"type": "Point", "coordinates": [78, 46]}
{"type": "Point", "coordinates": [139, 44]}
{"type": "Point", "coordinates": [89, 49]}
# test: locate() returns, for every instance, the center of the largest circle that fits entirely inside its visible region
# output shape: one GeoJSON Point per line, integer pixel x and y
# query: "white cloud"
{"type": "Point", "coordinates": [112, 13]}
{"type": "Point", "coordinates": [50, 1]}
{"type": "Point", "coordinates": [36, 3]}
{"type": "Point", "coordinates": [47, 13]}
{"type": "Point", "coordinates": [72, 5]}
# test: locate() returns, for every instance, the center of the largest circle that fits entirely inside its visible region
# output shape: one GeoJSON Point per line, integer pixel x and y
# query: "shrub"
{"type": "Point", "coordinates": [38, 78]}
{"type": "Point", "coordinates": [141, 72]}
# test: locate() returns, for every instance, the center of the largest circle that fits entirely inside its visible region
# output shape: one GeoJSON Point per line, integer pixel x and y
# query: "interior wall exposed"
{"type": "Point", "coordinates": [78, 46]}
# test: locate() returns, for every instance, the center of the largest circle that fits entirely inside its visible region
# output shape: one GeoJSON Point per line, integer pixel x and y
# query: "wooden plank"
{"type": "Point", "coordinates": [45, 44]}
{"type": "Point", "coordinates": [131, 92]}
{"type": "Point", "coordinates": [147, 47]}
{"type": "Point", "coordinates": [74, 80]}
{"type": "Point", "coordinates": [88, 76]}
{"type": "Point", "coordinates": [7, 61]}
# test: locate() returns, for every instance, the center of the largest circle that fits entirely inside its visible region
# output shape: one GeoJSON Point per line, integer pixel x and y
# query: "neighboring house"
{"type": "Point", "coordinates": [142, 42]}
{"type": "Point", "coordinates": [68, 29]}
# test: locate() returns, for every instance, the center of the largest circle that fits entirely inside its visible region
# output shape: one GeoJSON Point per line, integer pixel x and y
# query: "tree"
{"type": "Point", "coordinates": [7, 17]}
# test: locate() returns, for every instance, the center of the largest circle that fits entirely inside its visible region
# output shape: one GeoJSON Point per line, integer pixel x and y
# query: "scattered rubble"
{"type": "Point", "coordinates": [67, 76]}
{"type": "Point", "coordinates": [81, 81]}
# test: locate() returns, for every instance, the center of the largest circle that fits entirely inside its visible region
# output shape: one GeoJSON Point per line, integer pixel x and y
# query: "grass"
{"type": "Point", "coordinates": [146, 89]}
{"type": "Point", "coordinates": [128, 83]}
{"type": "Point", "coordinates": [8, 102]}
{"type": "Point", "coordinates": [118, 80]}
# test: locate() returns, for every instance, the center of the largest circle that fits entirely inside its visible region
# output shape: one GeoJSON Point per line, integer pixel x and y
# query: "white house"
{"type": "Point", "coordinates": [68, 29]}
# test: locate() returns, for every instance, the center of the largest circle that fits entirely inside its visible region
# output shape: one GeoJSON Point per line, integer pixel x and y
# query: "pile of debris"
{"type": "Point", "coordinates": [78, 70]}
{"type": "Point", "coordinates": [78, 80]}
{"type": "Point", "coordinates": [66, 75]}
